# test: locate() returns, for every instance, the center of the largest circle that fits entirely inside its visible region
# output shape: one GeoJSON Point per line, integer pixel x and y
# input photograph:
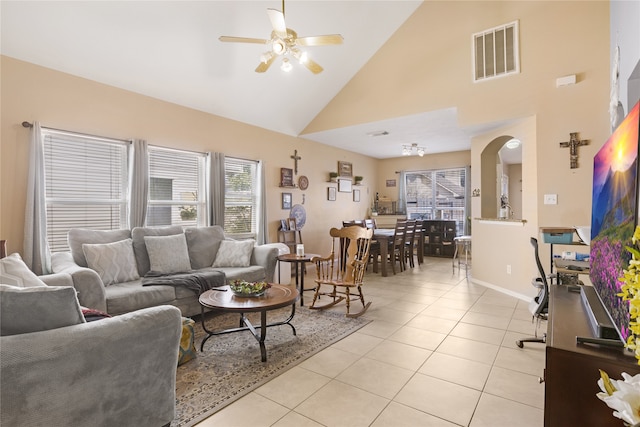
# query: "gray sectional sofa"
{"type": "Point", "coordinates": [108, 267]}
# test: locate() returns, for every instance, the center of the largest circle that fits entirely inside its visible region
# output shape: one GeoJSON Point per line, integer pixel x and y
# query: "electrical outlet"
{"type": "Point", "coordinates": [550, 199]}
{"type": "Point", "coordinates": [508, 268]}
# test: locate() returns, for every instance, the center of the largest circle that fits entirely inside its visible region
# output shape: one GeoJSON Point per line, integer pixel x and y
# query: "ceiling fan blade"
{"type": "Point", "coordinates": [242, 40]}
{"type": "Point", "coordinates": [313, 66]}
{"type": "Point", "coordinates": [320, 40]}
{"type": "Point", "coordinates": [277, 22]}
{"type": "Point", "coordinates": [264, 66]}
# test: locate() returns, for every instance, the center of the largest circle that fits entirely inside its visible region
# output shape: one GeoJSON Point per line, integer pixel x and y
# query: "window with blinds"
{"type": "Point", "coordinates": [437, 194]}
{"type": "Point", "coordinates": [240, 198]}
{"type": "Point", "coordinates": [85, 184]}
{"type": "Point", "coordinates": [176, 188]}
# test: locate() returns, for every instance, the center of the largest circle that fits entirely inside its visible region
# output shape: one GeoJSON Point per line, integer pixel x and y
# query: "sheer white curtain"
{"type": "Point", "coordinates": [138, 183]}
{"type": "Point", "coordinates": [263, 231]}
{"type": "Point", "coordinates": [216, 188]}
{"type": "Point", "coordinates": [36, 249]}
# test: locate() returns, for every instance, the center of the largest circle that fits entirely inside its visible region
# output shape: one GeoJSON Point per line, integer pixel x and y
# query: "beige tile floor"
{"type": "Point", "coordinates": [439, 351]}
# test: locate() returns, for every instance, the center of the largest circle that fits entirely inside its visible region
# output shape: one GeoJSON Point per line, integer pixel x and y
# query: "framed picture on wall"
{"type": "Point", "coordinates": [331, 194]}
{"type": "Point", "coordinates": [345, 169]}
{"type": "Point", "coordinates": [286, 200]}
{"type": "Point", "coordinates": [286, 177]}
{"type": "Point", "coordinates": [356, 195]}
{"type": "Point", "coordinates": [344, 185]}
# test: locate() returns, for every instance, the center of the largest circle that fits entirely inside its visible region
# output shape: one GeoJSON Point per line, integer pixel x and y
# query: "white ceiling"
{"type": "Point", "coordinates": [169, 50]}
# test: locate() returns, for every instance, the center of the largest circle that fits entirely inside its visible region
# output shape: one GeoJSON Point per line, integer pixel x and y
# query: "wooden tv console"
{"type": "Point", "coordinates": [572, 370]}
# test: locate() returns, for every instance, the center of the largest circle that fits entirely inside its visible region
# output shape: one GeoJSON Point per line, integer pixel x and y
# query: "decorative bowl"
{"type": "Point", "coordinates": [242, 288]}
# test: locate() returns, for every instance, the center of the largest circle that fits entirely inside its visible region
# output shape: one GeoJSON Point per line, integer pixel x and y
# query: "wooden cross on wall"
{"type": "Point", "coordinates": [573, 144]}
{"type": "Point", "coordinates": [295, 158]}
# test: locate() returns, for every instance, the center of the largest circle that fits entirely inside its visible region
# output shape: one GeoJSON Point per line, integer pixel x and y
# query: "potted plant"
{"type": "Point", "coordinates": [333, 176]}
{"type": "Point", "coordinates": [358, 180]}
{"type": "Point", "coordinates": [188, 212]}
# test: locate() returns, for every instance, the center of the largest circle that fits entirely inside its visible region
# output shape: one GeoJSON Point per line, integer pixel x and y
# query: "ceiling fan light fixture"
{"type": "Point", "coordinates": [278, 46]}
{"type": "Point", "coordinates": [286, 65]}
{"type": "Point", "coordinates": [265, 57]}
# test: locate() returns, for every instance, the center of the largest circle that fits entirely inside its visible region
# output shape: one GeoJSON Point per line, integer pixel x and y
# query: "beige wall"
{"type": "Point", "coordinates": [426, 66]}
{"type": "Point", "coordinates": [63, 101]}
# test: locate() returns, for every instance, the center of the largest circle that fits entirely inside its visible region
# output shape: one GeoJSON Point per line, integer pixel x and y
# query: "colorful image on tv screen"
{"type": "Point", "coordinates": [613, 216]}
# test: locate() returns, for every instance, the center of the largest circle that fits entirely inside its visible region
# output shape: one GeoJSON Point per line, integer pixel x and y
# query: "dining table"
{"type": "Point", "coordinates": [383, 236]}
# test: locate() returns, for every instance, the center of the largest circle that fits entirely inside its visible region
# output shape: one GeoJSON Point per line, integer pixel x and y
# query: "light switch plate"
{"type": "Point", "coordinates": [550, 199]}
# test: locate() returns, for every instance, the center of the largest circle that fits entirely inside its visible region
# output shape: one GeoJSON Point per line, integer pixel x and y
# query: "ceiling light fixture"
{"type": "Point", "coordinates": [513, 143]}
{"type": "Point", "coordinates": [408, 150]}
{"type": "Point", "coordinates": [286, 65]}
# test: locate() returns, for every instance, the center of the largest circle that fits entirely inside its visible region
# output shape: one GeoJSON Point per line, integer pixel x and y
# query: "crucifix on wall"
{"type": "Point", "coordinates": [295, 158]}
{"type": "Point", "coordinates": [573, 144]}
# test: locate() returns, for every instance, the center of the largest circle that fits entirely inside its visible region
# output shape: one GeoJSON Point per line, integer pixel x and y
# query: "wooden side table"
{"type": "Point", "coordinates": [299, 272]}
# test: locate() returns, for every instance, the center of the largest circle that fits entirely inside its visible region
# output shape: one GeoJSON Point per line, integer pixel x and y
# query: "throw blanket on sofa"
{"type": "Point", "coordinates": [197, 281]}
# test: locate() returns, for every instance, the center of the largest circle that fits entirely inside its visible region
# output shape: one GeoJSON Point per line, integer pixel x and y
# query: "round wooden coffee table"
{"type": "Point", "coordinates": [222, 299]}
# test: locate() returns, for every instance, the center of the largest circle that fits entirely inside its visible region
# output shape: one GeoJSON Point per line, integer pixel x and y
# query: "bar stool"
{"type": "Point", "coordinates": [462, 243]}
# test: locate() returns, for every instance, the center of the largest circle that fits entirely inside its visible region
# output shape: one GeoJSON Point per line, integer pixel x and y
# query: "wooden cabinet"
{"type": "Point", "coordinates": [438, 238]}
{"type": "Point", "coordinates": [572, 370]}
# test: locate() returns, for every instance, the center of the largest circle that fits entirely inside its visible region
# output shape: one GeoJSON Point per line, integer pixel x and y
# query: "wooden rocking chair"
{"type": "Point", "coordinates": [342, 280]}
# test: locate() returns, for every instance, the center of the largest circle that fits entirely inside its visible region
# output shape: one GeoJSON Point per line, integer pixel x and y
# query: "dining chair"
{"type": "Point", "coordinates": [396, 251]}
{"type": "Point", "coordinates": [409, 243]}
{"type": "Point", "coordinates": [338, 282]}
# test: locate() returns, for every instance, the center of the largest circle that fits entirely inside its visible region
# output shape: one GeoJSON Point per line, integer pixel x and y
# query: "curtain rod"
{"type": "Point", "coordinates": [26, 124]}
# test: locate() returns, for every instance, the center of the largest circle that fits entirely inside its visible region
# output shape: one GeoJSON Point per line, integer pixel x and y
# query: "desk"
{"type": "Point", "coordinates": [299, 272]}
{"type": "Point", "coordinates": [383, 235]}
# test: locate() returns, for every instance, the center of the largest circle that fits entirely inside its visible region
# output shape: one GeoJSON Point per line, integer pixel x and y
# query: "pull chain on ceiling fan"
{"type": "Point", "coordinates": [284, 43]}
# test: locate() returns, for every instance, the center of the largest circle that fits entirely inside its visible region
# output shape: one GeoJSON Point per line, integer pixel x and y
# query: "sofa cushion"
{"type": "Point", "coordinates": [168, 254]}
{"type": "Point", "coordinates": [79, 236]}
{"type": "Point", "coordinates": [13, 271]}
{"type": "Point", "coordinates": [140, 248]}
{"type": "Point", "coordinates": [37, 308]}
{"type": "Point", "coordinates": [131, 296]}
{"type": "Point", "coordinates": [234, 253]}
{"type": "Point", "coordinates": [114, 262]}
{"type": "Point", "coordinates": [203, 243]}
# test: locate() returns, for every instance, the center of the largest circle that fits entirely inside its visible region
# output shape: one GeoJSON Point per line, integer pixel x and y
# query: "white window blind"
{"type": "Point", "coordinates": [437, 194]}
{"type": "Point", "coordinates": [85, 184]}
{"type": "Point", "coordinates": [240, 207]}
{"type": "Point", "coordinates": [176, 188]}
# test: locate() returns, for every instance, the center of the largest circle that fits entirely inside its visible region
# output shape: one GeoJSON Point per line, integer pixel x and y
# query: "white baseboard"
{"type": "Point", "coordinates": [502, 290]}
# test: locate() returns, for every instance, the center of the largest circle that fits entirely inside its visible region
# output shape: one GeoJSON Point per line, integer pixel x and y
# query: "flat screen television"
{"type": "Point", "coordinates": [614, 216]}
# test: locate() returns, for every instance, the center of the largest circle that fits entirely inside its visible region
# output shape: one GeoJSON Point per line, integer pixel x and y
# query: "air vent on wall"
{"type": "Point", "coordinates": [495, 52]}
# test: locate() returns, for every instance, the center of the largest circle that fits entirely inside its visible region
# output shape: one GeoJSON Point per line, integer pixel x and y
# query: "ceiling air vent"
{"type": "Point", "coordinates": [495, 52]}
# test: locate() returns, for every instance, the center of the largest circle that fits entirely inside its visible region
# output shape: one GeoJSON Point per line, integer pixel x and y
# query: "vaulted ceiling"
{"type": "Point", "coordinates": [170, 50]}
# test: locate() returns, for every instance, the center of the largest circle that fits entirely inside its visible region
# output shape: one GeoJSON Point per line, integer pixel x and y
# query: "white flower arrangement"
{"type": "Point", "coordinates": [623, 396]}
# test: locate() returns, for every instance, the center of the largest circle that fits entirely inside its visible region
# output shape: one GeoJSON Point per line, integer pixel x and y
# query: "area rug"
{"type": "Point", "coordinates": [230, 366]}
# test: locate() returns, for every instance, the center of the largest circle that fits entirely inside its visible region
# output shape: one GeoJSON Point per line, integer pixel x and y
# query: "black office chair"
{"type": "Point", "coordinates": [539, 307]}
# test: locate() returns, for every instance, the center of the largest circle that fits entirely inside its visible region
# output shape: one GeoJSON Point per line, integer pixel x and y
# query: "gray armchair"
{"type": "Point", "coordinates": [112, 372]}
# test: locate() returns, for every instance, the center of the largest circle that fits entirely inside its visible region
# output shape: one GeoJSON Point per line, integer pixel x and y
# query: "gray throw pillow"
{"type": "Point", "coordinates": [114, 262]}
{"type": "Point", "coordinates": [168, 254]}
{"type": "Point", "coordinates": [13, 271]}
{"type": "Point", "coordinates": [203, 243]}
{"type": "Point", "coordinates": [79, 236]}
{"type": "Point", "coordinates": [140, 248]}
{"type": "Point", "coordinates": [39, 308]}
{"type": "Point", "coordinates": [234, 253]}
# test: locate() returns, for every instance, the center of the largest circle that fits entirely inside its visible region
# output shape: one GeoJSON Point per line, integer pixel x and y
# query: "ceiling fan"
{"type": "Point", "coordinates": [285, 42]}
